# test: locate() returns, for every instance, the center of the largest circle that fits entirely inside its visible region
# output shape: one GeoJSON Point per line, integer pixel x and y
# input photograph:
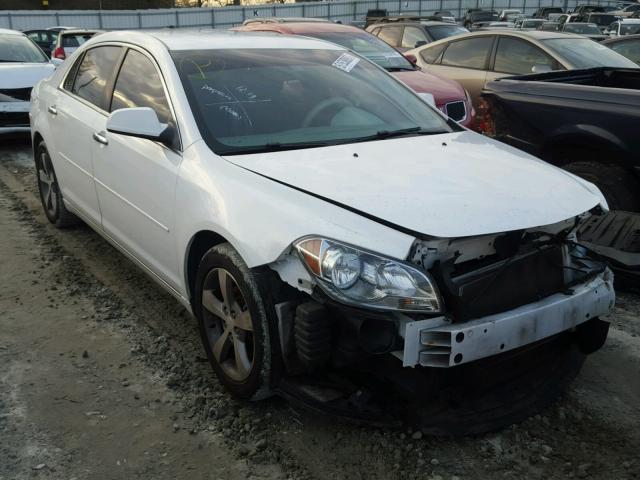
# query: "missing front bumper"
{"type": "Point", "coordinates": [439, 343]}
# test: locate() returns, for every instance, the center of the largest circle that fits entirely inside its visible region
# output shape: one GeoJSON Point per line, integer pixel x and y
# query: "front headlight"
{"type": "Point", "coordinates": [355, 277]}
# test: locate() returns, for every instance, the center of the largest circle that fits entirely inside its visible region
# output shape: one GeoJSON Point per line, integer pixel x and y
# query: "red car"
{"type": "Point", "coordinates": [449, 95]}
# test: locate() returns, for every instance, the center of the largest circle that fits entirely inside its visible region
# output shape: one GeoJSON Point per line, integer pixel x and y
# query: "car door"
{"type": "Point", "coordinates": [135, 177]}
{"type": "Point", "coordinates": [76, 111]}
{"type": "Point", "coordinates": [465, 61]}
{"type": "Point", "coordinates": [516, 56]}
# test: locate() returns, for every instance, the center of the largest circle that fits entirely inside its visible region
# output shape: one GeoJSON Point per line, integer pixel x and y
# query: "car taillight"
{"type": "Point", "coordinates": [59, 53]}
{"type": "Point", "coordinates": [484, 118]}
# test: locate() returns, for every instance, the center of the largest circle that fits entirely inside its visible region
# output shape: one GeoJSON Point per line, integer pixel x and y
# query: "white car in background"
{"type": "Point", "coordinates": [316, 215]}
{"type": "Point", "coordinates": [621, 28]}
{"type": "Point", "coordinates": [69, 40]}
{"type": "Point", "coordinates": [22, 65]}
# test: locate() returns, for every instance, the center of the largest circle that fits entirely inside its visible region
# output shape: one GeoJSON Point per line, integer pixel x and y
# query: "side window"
{"type": "Point", "coordinates": [391, 35]}
{"type": "Point", "coordinates": [431, 54]}
{"type": "Point", "coordinates": [139, 85]}
{"type": "Point", "coordinates": [519, 57]}
{"type": "Point", "coordinates": [471, 53]}
{"type": "Point", "coordinates": [71, 75]}
{"type": "Point", "coordinates": [94, 72]}
{"type": "Point", "coordinates": [411, 37]}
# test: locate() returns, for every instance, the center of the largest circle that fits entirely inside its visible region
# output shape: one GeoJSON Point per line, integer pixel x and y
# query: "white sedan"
{"type": "Point", "coordinates": [310, 210]}
{"type": "Point", "coordinates": [22, 65]}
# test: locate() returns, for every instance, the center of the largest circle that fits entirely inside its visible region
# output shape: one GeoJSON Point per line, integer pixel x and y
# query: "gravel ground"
{"type": "Point", "coordinates": [102, 376]}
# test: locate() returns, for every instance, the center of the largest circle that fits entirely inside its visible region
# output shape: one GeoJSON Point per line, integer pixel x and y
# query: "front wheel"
{"type": "Point", "coordinates": [234, 317]}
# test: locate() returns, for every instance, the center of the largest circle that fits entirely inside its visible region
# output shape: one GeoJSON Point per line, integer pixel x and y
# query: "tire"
{"type": "Point", "coordinates": [236, 327]}
{"type": "Point", "coordinates": [618, 186]}
{"type": "Point", "coordinates": [50, 194]}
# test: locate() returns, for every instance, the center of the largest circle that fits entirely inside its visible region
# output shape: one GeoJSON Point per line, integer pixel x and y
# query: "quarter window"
{"type": "Point", "coordinates": [411, 37]}
{"type": "Point", "coordinates": [471, 53]}
{"type": "Point", "coordinates": [391, 35]}
{"type": "Point", "coordinates": [519, 57]}
{"type": "Point", "coordinates": [431, 54]}
{"type": "Point", "coordinates": [94, 73]}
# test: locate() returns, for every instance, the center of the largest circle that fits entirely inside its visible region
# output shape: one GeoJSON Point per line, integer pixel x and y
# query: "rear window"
{"type": "Point", "coordinates": [582, 29]}
{"type": "Point", "coordinates": [19, 49]}
{"type": "Point", "coordinates": [443, 31]}
{"type": "Point", "coordinates": [75, 40]}
{"type": "Point", "coordinates": [630, 29]}
{"type": "Point", "coordinates": [585, 53]}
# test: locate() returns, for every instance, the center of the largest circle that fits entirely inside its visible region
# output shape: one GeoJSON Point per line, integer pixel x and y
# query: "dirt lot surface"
{"type": "Point", "coordinates": [102, 376]}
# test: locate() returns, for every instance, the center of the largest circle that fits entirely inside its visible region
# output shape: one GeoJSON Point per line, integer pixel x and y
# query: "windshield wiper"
{"type": "Point", "coordinates": [383, 134]}
{"type": "Point", "coordinates": [274, 147]}
{"type": "Point", "coordinates": [400, 69]}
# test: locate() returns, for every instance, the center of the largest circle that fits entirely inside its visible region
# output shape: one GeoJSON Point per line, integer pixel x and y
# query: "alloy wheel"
{"type": "Point", "coordinates": [48, 186]}
{"type": "Point", "coordinates": [228, 324]}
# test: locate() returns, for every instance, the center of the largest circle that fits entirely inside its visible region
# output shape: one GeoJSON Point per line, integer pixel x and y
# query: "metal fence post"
{"type": "Point", "coordinates": [100, 20]}
{"type": "Point", "coordinates": [139, 20]}
{"type": "Point", "coordinates": [177, 19]}
{"type": "Point", "coordinates": [10, 21]}
{"type": "Point", "coordinates": [355, 10]}
{"type": "Point", "coordinates": [213, 19]}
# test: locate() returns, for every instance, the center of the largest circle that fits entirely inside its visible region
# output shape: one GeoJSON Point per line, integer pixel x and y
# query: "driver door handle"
{"type": "Point", "coordinates": [52, 110]}
{"type": "Point", "coordinates": [100, 138]}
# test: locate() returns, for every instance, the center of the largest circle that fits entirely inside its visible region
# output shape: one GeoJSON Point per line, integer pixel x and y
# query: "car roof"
{"type": "Point", "coordinates": [209, 39]}
{"type": "Point", "coordinates": [6, 31]}
{"type": "Point", "coordinates": [77, 31]}
{"type": "Point", "coordinates": [631, 20]}
{"type": "Point", "coordinates": [300, 28]}
{"type": "Point", "coordinates": [535, 35]}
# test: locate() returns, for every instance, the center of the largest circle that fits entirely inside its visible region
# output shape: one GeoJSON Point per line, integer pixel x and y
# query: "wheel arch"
{"type": "Point", "coordinates": [198, 245]}
{"type": "Point", "coordinates": [585, 141]}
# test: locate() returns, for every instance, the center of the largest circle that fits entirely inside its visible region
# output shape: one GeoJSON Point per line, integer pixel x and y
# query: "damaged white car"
{"type": "Point", "coordinates": [336, 237]}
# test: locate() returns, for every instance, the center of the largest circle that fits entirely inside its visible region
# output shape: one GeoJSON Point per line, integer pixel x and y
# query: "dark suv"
{"type": "Point", "coordinates": [477, 18]}
{"type": "Point", "coordinates": [405, 33]}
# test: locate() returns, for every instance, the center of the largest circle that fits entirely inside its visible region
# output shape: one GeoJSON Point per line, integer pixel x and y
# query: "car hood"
{"type": "Point", "coordinates": [443, 89]}
{"type": "Point", "coordinates": [23, 75]}
{"type": "Point", "coordinates": [449, 185]}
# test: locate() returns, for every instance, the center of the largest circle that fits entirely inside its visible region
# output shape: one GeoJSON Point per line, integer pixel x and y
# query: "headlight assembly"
{"type": "Point", "coordinates": [356, 277]}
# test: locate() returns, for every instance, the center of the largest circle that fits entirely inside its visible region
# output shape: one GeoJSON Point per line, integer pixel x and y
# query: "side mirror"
{"type": "Point", "coordinates": [420, 43]}
{"type": "Point", "coordinates": [412, 59]}
{"type": "Point", "coordinates": [428, 98]}
{"type": "Point", "coordinates": [139, 122]}
{"type": "Point", "coordinates": [538, 68]}
{"type": "Point", "coordinates": [56, 62]}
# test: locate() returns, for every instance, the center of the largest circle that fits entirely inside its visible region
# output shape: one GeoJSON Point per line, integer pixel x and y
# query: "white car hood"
{"type": "Point", "coordinates": [23, 75]}
{"type": "Point", "coordinates": [451, 185]}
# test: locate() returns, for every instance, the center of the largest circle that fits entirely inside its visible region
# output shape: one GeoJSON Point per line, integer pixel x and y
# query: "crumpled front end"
{"type": "Point", "coordinates": [503, 292]}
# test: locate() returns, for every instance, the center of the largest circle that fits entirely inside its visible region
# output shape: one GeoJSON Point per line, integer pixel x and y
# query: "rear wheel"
{"type": "Point", "coordinates": [234, 317]}
{"type": "Point", "coordinates": [50, 194]}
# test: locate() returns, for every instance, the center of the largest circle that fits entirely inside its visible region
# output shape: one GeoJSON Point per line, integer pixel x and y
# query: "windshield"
{"type": "Point", "coordinates": [582, 29]}
{"type": "Point", "coordinates": [483, 16]}
{"type": "Point", "coordinates": [532, 23]}
{"type": "Point", "coordinates": [630, 29]}
{"type": "Point", "coordinates": [368, 46]}
{"type": "Point", "coordinates": [438, 32]}
{"type": "Point", "coordinates": [602, 19]}
{"type": "Point", "coordinates": [259, 100]}
{"type": "Point", "coordinates": [585, 53]}
{"type": "Point", "coordinates": [18, 48]}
